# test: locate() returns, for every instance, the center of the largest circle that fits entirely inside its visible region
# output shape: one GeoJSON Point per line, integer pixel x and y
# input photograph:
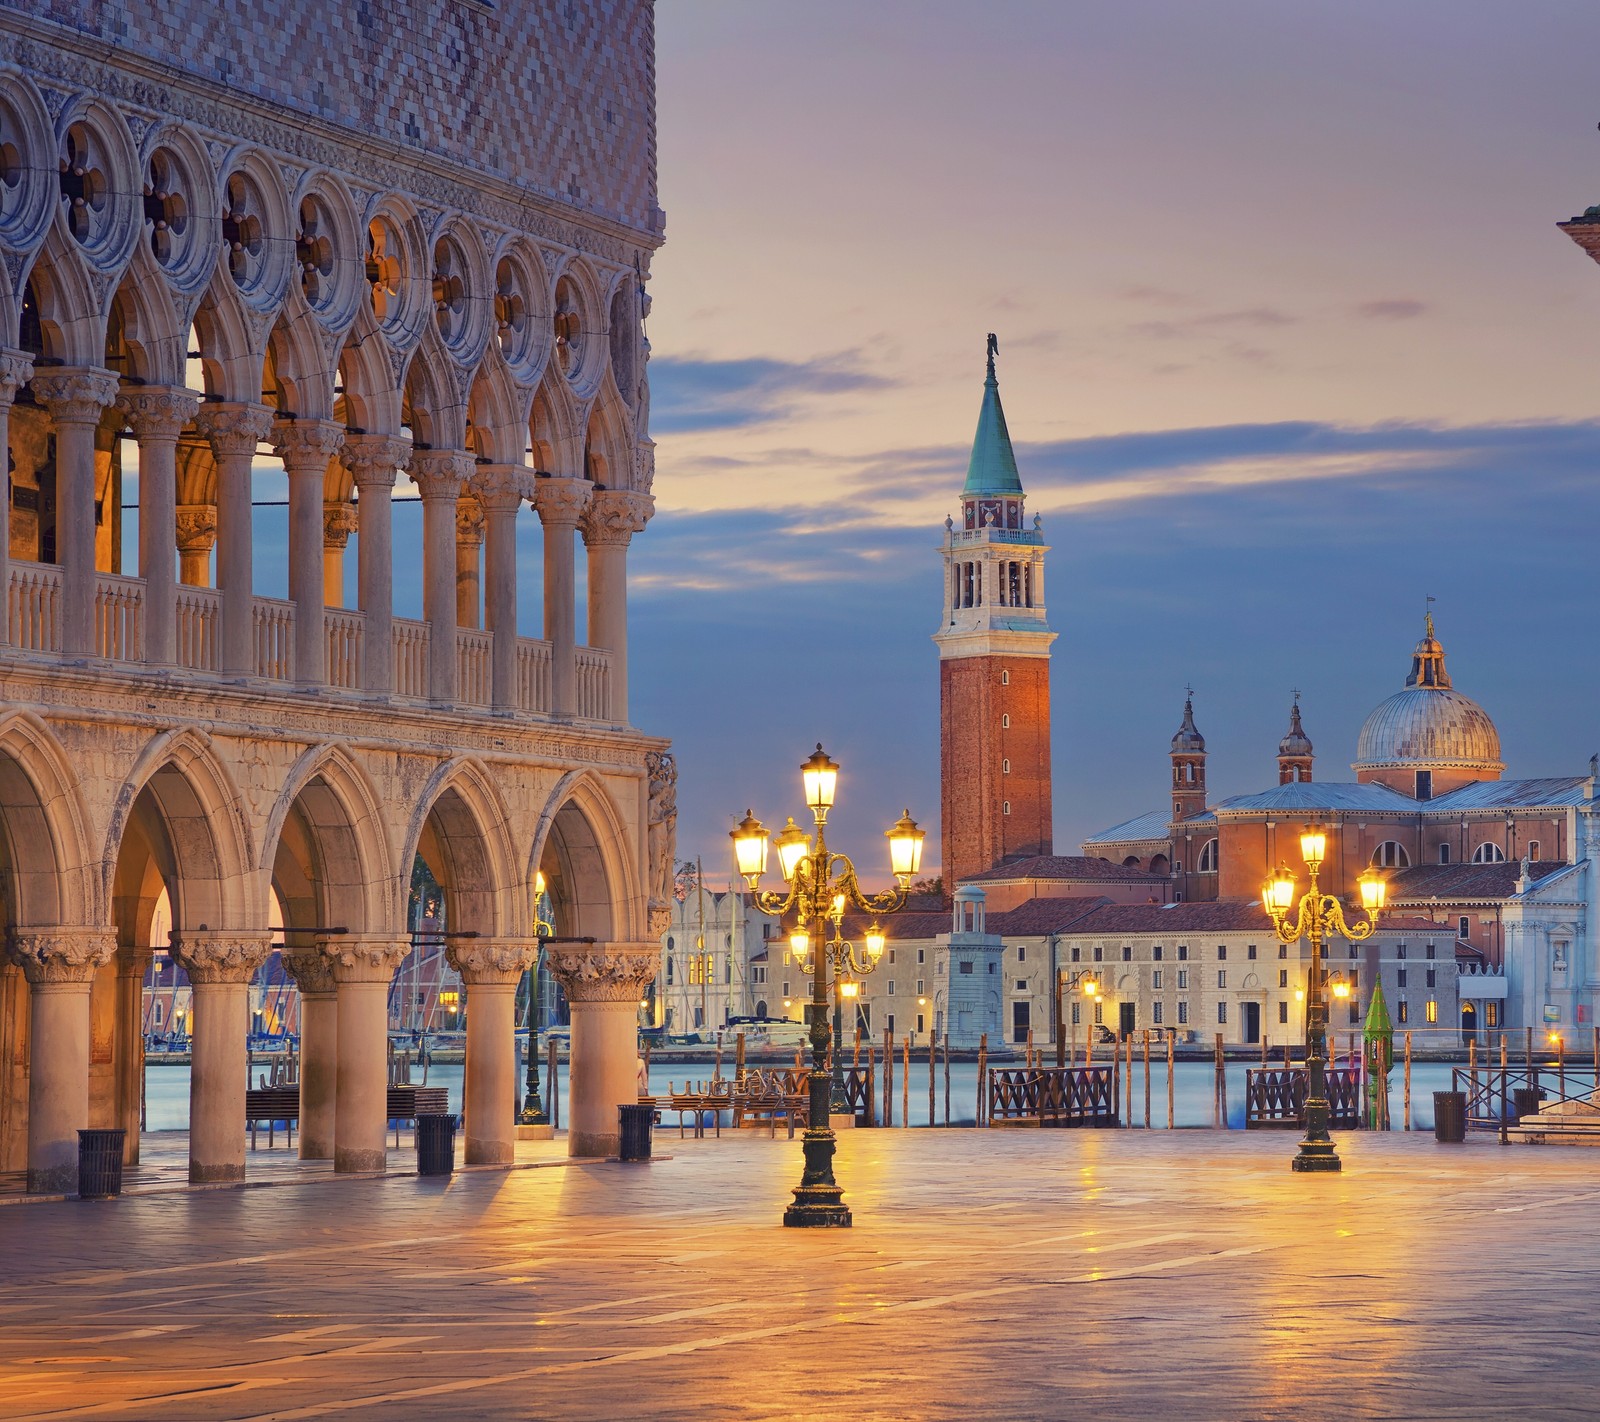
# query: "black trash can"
{"type": "Point", "coordinates": [1525, 1101]}
{"type": "Point", "coordinates": [100, 1163]}
{"type": "Point", "coordinates": [436, 1144]}
{"type": "Point", "coordinates": [634, 1129]}
{"type": "Point", "coordinates": [1450, 1116]}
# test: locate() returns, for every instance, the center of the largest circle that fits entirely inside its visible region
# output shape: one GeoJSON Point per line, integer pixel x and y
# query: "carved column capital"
{"type": "Point", "coordinates": [615, 515]}
{"type": "Point", "coordinates": [469, 520]}
{"type": "Point", "coordinates": [440, 473]}
{"type": "Point", "coordinates": [15, 368]}
{"type": "Point", "coordinates": [61, 955]}
{"type": "Point", "coordinates": [501, 488]}
{"type": "Point", "coordinates": [232, 426]}
{"type": "Point", "coordinates": [374, 460]}
{"type": "Point", "coordinates": [197, 527]}
{"type": "Point", "coordinates": [364, 960]}
{"type": "Point", "coordinates": [489, 961]}
{"type": "Point", "coordinates": [217, 956]}
{"type": "Point", "coordinates": [312, 971]}
{"type": "Point", "coordinates": [561, 502]}
{"type": "Point", "coordinates": [644, 465]}
{"type": "Point", "coordinates": [157, 411]}
{"type": "Point", "coordinates": [75, 396]}
{"type": "Point", "coordinates": [306, 445]}
{"type": "Point", "coordinates": [338, 523]}
{"type": "Point", "coordinates": [603, 972]}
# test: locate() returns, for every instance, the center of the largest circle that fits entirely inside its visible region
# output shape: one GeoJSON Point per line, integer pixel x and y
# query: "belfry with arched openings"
{"type": "Point", "coordinates": [316, 364]}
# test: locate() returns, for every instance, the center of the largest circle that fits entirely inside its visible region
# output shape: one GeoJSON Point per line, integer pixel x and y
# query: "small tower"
{"type": "Point", "coordinates": [1188, 767]}
{"type": "Point", "coordinates": [1294, 750]}
{"type": "Point", "coordinates": [994, 663]}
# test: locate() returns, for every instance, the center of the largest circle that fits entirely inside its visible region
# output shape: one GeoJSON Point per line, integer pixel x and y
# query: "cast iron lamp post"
{"type": "Point", "coordinates": [820, 886]}
{"type": "Point", "coordinates": [543, 928]}
{"type": "Point", "coordinates": [1319, 915]}
{"type": "Point", "coordinates": [1066, 980]}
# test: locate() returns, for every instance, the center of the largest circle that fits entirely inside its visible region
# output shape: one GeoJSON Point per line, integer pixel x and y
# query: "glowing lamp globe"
{"type": "Point", "coordinates": [905, 847]}
{"type": "Point", "coordinates": [1374, 891]}
{"type": "Point", "coordinates": [1278, 893]}
{"type": "Point", "coordinates": [793, 845]}
{"type": "Point", "coordinates": [1313, 847]}
{"type": "Point", "coordinates": [750, 848]}
{"type": "Point", "coordinates": [820, 777]}
{"type": "Point", "coordinates": [800, 943]}
{"type": "Point", "coordinates": [875, 939]}
{"type": "Point", "coordinates": [848, 987]}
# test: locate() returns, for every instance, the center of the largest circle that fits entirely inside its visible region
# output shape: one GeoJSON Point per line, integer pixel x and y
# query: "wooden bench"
{"type": "Point", "coordinates": [282, 1103]}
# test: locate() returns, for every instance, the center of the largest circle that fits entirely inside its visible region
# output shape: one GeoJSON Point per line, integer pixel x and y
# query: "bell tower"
{"type": "Point", "coordinates": [1294, 750]}
{"type": "Point", "coordinates": [994, 663]}
{"type": "Point", "coordinates": [1188, 767]}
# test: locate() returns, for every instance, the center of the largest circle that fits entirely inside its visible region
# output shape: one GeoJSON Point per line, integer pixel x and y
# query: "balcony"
{"type": "Point", "coordinates": [1479, 981]}
{"type": "Point", "coordinates": [35, 621]}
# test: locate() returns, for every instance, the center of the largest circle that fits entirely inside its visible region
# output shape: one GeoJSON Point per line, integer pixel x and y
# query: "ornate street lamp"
{"type": "Point", "coordinates": [1319, 916]}
{"type": "Point", "coordinates": [821, 885]}
{"type": "Point", "coordinates": [543, 928]}
{"type": "Point", "coordinates": [1066, 980]}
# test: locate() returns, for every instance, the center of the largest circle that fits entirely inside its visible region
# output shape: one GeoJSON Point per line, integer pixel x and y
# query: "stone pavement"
{"type": "Point", "coordinates": [990, 1274]}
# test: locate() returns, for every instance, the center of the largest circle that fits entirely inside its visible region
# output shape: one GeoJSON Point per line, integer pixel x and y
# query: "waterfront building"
{"type": "Point", "coordinates": [714, 961]}
{"type": "Point", "coordinates": [354, 261]}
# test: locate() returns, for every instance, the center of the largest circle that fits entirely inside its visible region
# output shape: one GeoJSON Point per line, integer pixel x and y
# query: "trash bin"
{"type": "Point", "coordinates": [436, 1144]}
{"type": "Point", "coordinates": [100, 1163]}
{"type": "Point", "coordinates": [1526, 1101]}
{"type": "Point", "coordinates": [1450, 1116]}
{"type": "Point", "coordinates": [633, 1129]}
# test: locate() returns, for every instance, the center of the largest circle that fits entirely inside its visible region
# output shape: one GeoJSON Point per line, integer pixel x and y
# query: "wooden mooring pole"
{"type": "Point", "coordinates": [905, 1083]}
{"type": "Point", "coordinates": [1408, 1080]}
{"type": "Point", "coordinates": [1172, 1037]}
{"type": "Point", "coordinates": [888, 1076]}
{"type": "Point", "coordinates": [1127, 1075]}
{"type": "Point", "coordinates": [946, 1054]}
{"type": "Point", "coordinates": [933, 1053]}
{"type": "Point", "coordinates": [1147, 1078]}
{"type": "Point", "coordinates": [1219, 1092]}
{"type": "Point", "coordinates": [983, 1072]}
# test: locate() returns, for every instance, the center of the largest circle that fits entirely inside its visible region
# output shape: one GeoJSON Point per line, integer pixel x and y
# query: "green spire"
{"type": "Point", "coordinates": [993, 469]}
{"type": "Point", "coordinates": [1379, 1029]}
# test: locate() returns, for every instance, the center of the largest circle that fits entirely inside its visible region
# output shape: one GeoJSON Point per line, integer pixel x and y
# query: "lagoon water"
{"type": "Point", "coordinates": [167, 1091]}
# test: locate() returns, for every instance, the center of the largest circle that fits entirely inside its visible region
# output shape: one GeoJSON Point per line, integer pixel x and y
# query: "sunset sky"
{"type": "Point", "coordinates": [1288, 340]}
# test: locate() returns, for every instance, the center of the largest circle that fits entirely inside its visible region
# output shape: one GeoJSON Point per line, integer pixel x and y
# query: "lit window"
{"type": "Point", "coordinates": [1099, 1011]}
{"type": "Point", "coordinates": [1402, 1012]}
{"type": "Point", "coordinates": [1433, 1010]}
{"type": "Point", "coordinates": [1491, 1013]}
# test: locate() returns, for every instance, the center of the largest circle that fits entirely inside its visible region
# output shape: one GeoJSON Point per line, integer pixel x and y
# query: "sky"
{"type": "Point", "coordinates": [1288, 342]}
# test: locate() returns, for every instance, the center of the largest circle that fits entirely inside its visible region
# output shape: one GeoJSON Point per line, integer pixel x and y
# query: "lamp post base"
{"type": "Point", "coordinates": [817, 1207]}
{"type": "Point", "coordinates": [1317, 1157]}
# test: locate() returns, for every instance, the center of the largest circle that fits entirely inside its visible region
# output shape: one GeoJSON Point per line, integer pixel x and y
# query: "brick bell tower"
{"type": "Point", "coordinates": [994, 664]}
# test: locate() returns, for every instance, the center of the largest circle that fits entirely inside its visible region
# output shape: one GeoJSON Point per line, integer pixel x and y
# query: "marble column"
{"type": "Point", "coordinates": [501, 488]}
{"type": "Point", "coordinates": [439, 475]}
{"type": "Point", "coordinates": [609, 523]}
{"type": "Point", "coordinates": [603, 983]}
{"type": "Point", "coordinates": [220, 966]}
{"type": "Point", "coordinates": [560, 503]}
{"type": "Point", "coordinates": [373, 462]}
{"type": "Point", "coordinates": [133, 965]}
{"type": "Point", "coordinates": [76, 399]}
{"type": "Point", "coordinates": [157, 415]}
{"type": "Point", "coordinates": [491, 970]}
{"type": "Point", "coordinates": [60, 964]}
{"type": "Point", "coordinates": [469, 559]}
{"type": "Point", "coordinates": [362, 968]}
{"type": "Point", "coordinates": [305, 447]}
{"type": "Point", "coordinates": [197, 535]}
{"type": "Point", "coordinates": [339, 521]}
{"type": "Point", "coordinates": [15, 368]}
{"type": "Point", "coordinates": [312, 971]}
{"type": "Point", "coordinates": [234, 430]}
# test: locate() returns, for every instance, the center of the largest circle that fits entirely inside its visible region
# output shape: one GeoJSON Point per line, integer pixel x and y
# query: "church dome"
{"type": "Point", "coordinates": [1429, 723]}
{"type": "Point", "coordinates": [1188, 741]}
{"type": "Point", "coordinates": [1296, 742]}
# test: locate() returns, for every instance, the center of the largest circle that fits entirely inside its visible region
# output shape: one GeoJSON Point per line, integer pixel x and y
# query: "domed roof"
{"type": "Point", "coordinates": [1296, 742]}
{"type": "Point", "coordinates": [1188, 741]}
{"type": "Point", "coordinates": [1429, 723]}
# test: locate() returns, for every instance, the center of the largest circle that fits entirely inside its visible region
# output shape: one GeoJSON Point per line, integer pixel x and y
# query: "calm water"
{"type": "Point", "coordinates": [167, 1091]}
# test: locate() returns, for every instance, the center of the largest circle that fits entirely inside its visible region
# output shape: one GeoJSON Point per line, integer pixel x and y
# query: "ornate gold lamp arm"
{"type": "Point", "coordinates": [1334, 921]}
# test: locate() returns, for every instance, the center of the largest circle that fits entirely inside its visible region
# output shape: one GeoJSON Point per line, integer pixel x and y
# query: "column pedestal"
{"type": "Point", "coordinates": [603, 983]}
{"type": "Point", "coordinates": [362, 969]}
{"type": "Point", "coordinates": [60, 965]}
{"type": "Point", "coordinates": [220, 967]}
{"type": "Point", "coordinates": [319, 1051]}
{"type": "Point", "coordinates": [491, 971]}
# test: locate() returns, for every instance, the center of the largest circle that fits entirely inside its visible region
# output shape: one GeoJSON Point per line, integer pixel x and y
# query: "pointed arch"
{"type": "Point", "coordinates": [608, 439]}
{"type": "Point", "coordinates": [45, 854]}
{"type": "Point", "coordinates": [556, 428]}
{"type": "Point", "coordinates": [143, 316]}
{"type": "Point", "coordinates": [301, 366]}
{"type": "Point", "coordinates": [497, 411]}
{"type": "Point", "coordinates": [461, 828]}
{"type": "Point", "coordinates": [231, 341]}
{"type": "Point", "coordinates": [368, 368]}
{"type": "Point", "coordinates": [432, 407]}
{"type": "Point", "coordinates": [586, 851]}
{"type": "Point", "coordinates": [72, 321]}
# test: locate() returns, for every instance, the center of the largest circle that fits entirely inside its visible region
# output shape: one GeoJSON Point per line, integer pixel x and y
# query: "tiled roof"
{"type": "Point", "coordinates": [1061, 866]}
{"type": "Point", "coordinates": [1515, 794]}
{"type": "Point", "coordinates": [1192, 917]}
{"type": "Point", "coordinates": [1311, 796]}
{"type": "Point", "coordinates": [1464, 881]}
{"type": "Point", "coordinates": [1041, 916]}
{"type": "Point", "coordinates": [1151, 826]}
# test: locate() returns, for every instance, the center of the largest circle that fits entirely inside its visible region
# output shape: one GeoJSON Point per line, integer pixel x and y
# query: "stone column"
{"type": "Point", "coordinates": [220, 966]}
{"type": "Point", "coordinates": [75, 398]}
{"type": "Point", "coordinates": [501, 489]}
{"type": "Point", "coordinates": [362, 968]}
{"type": "Point", "coordinates": [609, 523]}
{"type": "Point", "coordinates": [312, 971]}
{"type": "Point", "coordinates": [491, 970]}
{"type": "Point", "coordinates": [339, 521]}
{"type": "Point", "coordinates": [15, 368]}
{"type": "Point", "coordinates": [560, 503]}
{"type": "Point", "coordinates": [157, 415]}
{"type": "Point", "coordinates": [60, 965]}
{"type": "Point", "coordinates": [234, 430]}
{"type": "Point", "coordinates": [133, 964]}
{"type": "Point", "coordinates": [439, 474]}
{"type": "Point", "coordinates": [603, 983]}
{"type": "Point", "coordinates": [197, 533]}
{"type": "Point", "coordinates": [469, 559]}
{"type": "Point", "coordinates": [305, 447]}
{"type": "Point", "coordinates": [373, 461]}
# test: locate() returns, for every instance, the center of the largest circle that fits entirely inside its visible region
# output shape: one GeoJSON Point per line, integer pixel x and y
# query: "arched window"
{"type": "Point", "coordinates": [1391, 854]}
{"type": "Point", "coordinates": [1208, 858]}
{"type": "Point", "coordinates": [1487, 853]}
{"type": "Point", "coordinates": [1158, 865]}
{"type": "Point", "coordinates": [1131, 862]}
